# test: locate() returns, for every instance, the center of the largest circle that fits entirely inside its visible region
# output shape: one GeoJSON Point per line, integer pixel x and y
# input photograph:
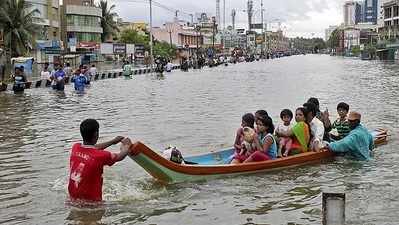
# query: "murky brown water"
{"type": "Point", "coordinates": [199, 111]}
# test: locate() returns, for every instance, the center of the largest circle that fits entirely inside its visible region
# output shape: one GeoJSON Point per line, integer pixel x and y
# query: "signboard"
{"type": "Point", "coordinates": [72, 42]}
{"type": "Point", "coordinates": [106, 49]}
{"type": "Point", "coordinates": [119, 48]}
{"type": "Point", "coordinates": [139, 51]}
{"type": "Point", "coordinates": [240, 31]}
{"type": "Point", "coordinates": [257, 26]}
{"type": "Point", "coordinates": [130, 49]}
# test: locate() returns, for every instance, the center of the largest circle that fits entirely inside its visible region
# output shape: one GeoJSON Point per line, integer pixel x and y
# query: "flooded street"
{"type": "Point", "coordinates": [199, 111]}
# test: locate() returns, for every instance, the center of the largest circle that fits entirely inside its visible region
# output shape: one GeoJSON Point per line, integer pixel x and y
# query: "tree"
{"type": "Point", "coordinates": [107, 20]}
{"type": "Point", "coordinates": [333, 41]}
{"type": "Point", "coordinates": [133, 37]}
{"type": "Point", "coordinates": [163, 49]}
{"type": "Point", "coordinates": [16, 20]}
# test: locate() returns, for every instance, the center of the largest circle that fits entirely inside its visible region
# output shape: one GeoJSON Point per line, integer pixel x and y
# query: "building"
{"type": "Point", "coordinates": [352, 13]}
{"type": "Point", "coordinates": [388, 34]}
{"type": "Point", "coordinates": [186, 39]}
{"type": "Point", "coordinates": [276, 42]}
{"type": "Point", "coordinates": [329, 31]}
{"type": "Point", "coordinates": [81, 23]}
{"type": "Point", "coordinates": [370, 11]}
{"type": "Point", "coordinates": [47, 38]}
{"type": "Point", "coordinates": [380, 18]}
{"type": "Point", "coordinates": [48, 19]}
{"type": "Point", "coordinates": [136, 26]}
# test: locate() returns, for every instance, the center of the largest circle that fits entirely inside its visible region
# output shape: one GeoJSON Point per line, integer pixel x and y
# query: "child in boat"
{"type": "Point", "coordinates": [88, 159]}
{"type": "Point", "coordinates": [340, 127]}
{"type": "Point", "coordinates": [284, 142]}
{"type": "Point", "coordinates": [248, 120]}
{"type": "Point", "coordinates": [248, 146]}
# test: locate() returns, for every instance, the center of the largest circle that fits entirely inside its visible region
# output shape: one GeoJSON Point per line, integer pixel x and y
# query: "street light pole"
{"type": "Point", "coordinates": [151, 41]}
{"type": "Point", "coordinates": [213, 32]}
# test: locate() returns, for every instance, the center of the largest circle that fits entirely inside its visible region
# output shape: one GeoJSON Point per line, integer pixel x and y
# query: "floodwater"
{"type": "Point", "coordinates": [199, 111]}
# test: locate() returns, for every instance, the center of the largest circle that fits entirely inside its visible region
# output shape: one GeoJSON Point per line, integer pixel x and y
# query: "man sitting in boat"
{"type": "Point", "coordinates": [358, 143]}
{"type": "Point", "coordinates": [316, 127]}
{"type": "Point", "coordinates": [88, 159]}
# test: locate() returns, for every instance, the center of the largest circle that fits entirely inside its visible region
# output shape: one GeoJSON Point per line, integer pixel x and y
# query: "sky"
{"type": "Point", "coordinates": [306, 18]}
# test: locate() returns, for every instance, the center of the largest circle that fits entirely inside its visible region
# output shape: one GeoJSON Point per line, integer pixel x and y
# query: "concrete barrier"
{"type": "Point", "coordinates": [97, 76]}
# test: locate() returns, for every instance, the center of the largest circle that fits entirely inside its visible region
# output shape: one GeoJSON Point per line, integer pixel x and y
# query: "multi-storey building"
{"type": "Point", "coordinates": [48, 19]}
{"type": "Point", "coordinates": [47, 37]}
{"type": "Point", "coordinates": [352, 13]}
{"type": "Point", "coordinates": [81, 23]}
{"type": "Point", "coordinates": [186, 39]}
{"type": "Point", "coordinates": [370, 14]}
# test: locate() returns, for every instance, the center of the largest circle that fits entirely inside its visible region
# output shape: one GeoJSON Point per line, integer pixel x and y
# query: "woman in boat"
{"type": "Point", "coordinates": [300, 133]}
{"type": "Point", "coordinates": [264, 140]}
{"type": "Point", "coordinates": [248, 120]}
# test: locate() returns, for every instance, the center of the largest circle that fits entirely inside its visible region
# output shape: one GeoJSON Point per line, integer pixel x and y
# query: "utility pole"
{"type": "Point", "coordinates": [224, 14]}
{"type": "Point", "coordinates": [151, 42]}
{"type": "Point", "coordinates": [263, 30]}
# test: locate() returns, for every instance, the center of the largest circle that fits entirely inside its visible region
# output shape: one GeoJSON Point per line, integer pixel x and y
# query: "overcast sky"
{"type": "Point", "coordinates": [298, 17]}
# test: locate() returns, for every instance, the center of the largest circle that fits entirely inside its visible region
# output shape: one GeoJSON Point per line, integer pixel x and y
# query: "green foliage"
{"type": "Point", "coordinates": [16, 20]}
{"type": "Point", "coordinates": [308, 44]}
{"type": "Point", "coordinates": [107, 20]}
{"type": "Point", "coordinates": [164, 49]}
{"type": "Point", "coordinates": [355, 50]}
{"type": "Point", "coordinates": [160, 48]}
{"type": "Point", "coordinates": [133, 37]}
{"type": "Point", "coordinates": [333, 41]}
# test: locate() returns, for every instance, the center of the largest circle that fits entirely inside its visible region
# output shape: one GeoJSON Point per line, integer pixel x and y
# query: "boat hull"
{"type": "Point", "coordinates": [215, 164]}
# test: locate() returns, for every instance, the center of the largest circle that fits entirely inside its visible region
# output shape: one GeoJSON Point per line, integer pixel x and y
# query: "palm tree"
{"type": "Point", "coordinates": [107, 20]}
{"type": "Point", "coordinates": [17, 21]}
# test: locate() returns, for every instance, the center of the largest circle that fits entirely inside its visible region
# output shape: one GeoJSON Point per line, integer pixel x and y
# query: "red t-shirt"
{"type": "Point", "coordinates": [86, 170]}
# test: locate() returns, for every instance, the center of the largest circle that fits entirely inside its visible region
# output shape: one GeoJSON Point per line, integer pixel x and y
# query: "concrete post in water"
{"type": "Point", "coordinates": [333, 208]}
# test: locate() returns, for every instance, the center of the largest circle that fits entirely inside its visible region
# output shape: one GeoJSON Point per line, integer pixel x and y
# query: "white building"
{"type": "Point", "coordinates": [329, 31]}
{"type": "Point", "coordinates": [380, 18]}
{"type": "Point", "coordinates": [350, 13]}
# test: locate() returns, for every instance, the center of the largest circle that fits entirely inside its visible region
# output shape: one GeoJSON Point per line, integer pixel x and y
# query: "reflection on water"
{"type": "Point", "coordinates": [198, 111]}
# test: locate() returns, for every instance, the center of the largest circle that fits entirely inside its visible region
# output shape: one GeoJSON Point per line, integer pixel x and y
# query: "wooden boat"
{"type": "Point", "coordinates": [216, 164]}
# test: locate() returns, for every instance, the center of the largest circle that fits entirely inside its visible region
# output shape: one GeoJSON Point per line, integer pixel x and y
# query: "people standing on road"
{"type": "Point", "coordinates": [92, 71]}
{"type": "Point", "coordinates": [19, 80]}
{"type": "Point", "coordinates": [79, 81]}
{"type": "Point", "coordinates": [169, 67]}
{"type": "Point", "coordinates": [45, 75]}
{"type": "Point", "coordinates": [58, 78]}
{"type": "Point", "coordinates": [68, 70]}
{"type": "Point", "coordinates": [88, 159]}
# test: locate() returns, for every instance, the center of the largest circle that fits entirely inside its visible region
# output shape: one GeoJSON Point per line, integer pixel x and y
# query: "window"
{"type": "Point", "coordinates": [87, 21]}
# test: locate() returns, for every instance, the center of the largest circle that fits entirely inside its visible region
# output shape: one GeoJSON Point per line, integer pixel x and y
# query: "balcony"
{"type": "Point", "coordinates": [84, 29]}
{"type": "Point", "coordinates": [83, 10]}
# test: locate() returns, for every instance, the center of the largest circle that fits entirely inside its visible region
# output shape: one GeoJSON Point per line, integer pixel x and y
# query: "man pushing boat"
{"type": "Point", "coordinates": [88, 159]}
{"type": "Point", "coordinates": [358, 143]}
